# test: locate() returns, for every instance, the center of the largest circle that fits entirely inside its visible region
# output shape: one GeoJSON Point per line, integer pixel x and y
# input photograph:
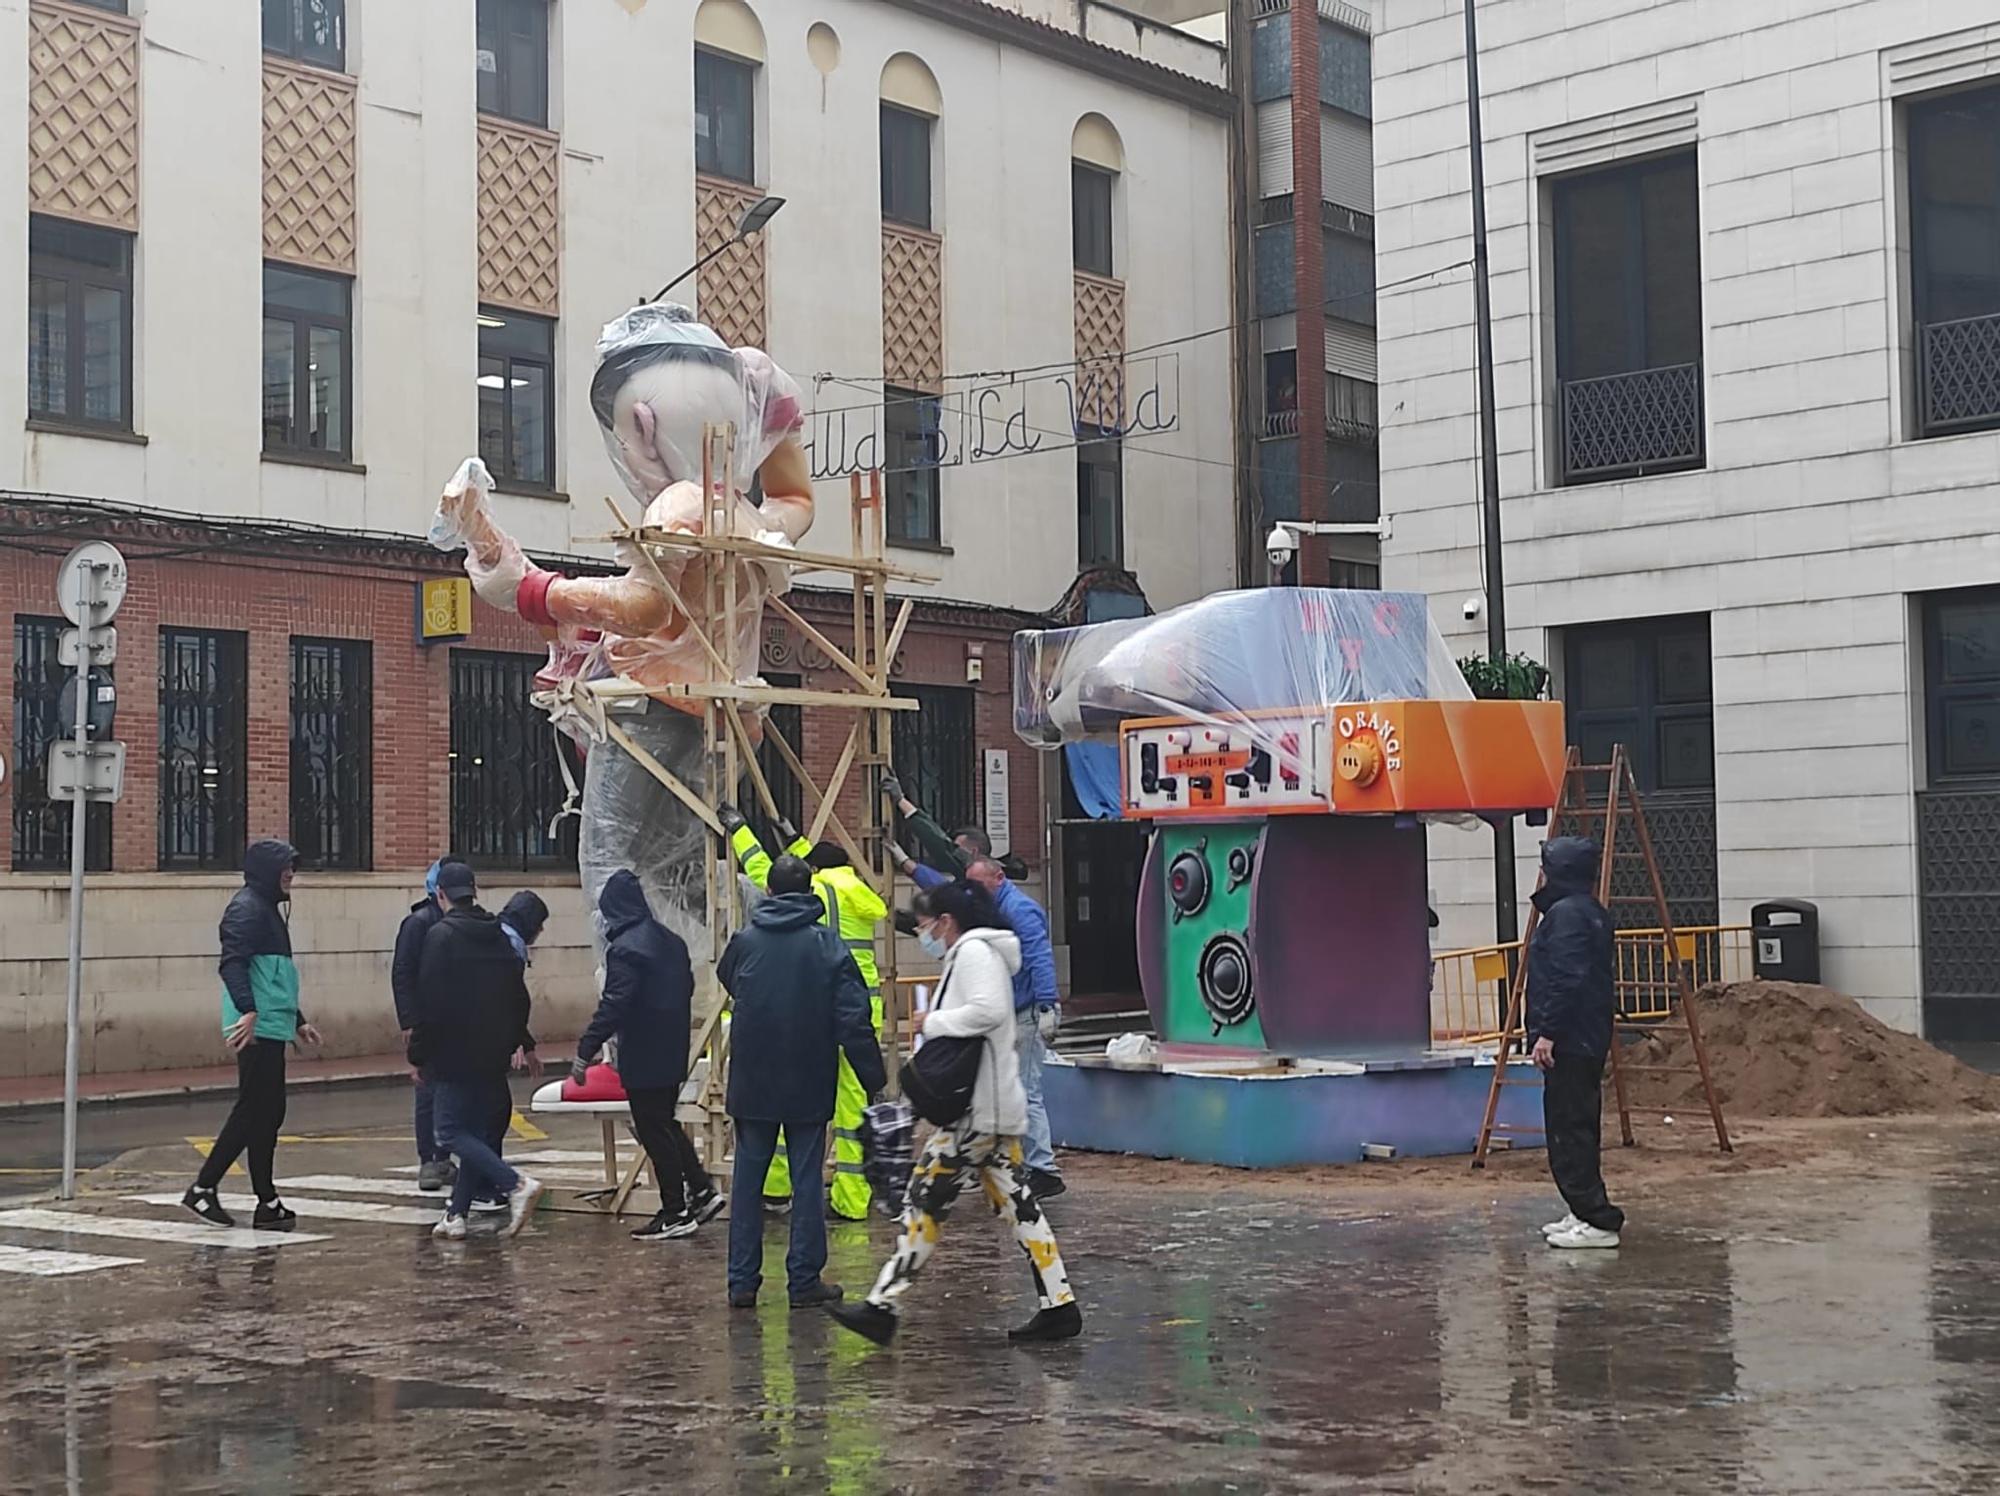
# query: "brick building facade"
{"type": "Point", "coordinates": [240, 602]}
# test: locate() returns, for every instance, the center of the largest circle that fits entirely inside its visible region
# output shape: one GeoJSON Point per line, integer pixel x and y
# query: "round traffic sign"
{"type": "Point", "coordinates": [104, 558]}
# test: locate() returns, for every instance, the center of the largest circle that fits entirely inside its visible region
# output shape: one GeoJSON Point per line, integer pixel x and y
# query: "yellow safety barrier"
{"type": "Point", "coordinates": [1469, 986]}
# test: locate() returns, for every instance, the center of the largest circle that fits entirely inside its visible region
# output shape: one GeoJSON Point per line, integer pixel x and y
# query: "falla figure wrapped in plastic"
{"type": "Point", "coordinates": [661, 378]}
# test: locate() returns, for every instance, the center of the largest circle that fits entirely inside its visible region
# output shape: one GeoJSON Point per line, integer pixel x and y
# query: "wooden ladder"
{"type": "Point", "coordinates": [1575, 815]}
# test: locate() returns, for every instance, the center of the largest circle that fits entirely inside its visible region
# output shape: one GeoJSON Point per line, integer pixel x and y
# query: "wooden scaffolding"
{"type": "Point", "coordinates": [728, 698]}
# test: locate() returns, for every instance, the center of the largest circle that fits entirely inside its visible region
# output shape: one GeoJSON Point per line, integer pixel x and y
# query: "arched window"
{"type": "Point", "coordinates": [1097, 157]}
{"type": "Point", "coordinates": [911, 104]}
{"type": "Point", "coordinates": [728, 51]}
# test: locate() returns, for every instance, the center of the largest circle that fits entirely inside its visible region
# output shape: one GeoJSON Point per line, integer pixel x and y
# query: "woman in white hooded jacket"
{"type": "Point", "coordinates": [975, 1000]}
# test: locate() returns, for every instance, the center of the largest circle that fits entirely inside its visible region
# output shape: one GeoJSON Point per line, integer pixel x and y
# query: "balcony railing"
{"type": "Point", "coordinates": [1625, 425]}
{"type": "Point", "coordinates": [1959, 374]}
{"type": "Point", "coordinates": [1281, 423]}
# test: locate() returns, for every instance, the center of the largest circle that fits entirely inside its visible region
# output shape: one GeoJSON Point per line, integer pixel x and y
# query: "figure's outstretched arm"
{"type": "Point", "coordinates": [788, 490]}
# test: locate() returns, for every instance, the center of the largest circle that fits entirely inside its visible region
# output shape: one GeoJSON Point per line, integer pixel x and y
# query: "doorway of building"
{"type": "Point", "coordinates": [1100, 888]}
{"type": "Point", "coordinates": [1648, 683]}
{"type": "Point", "coordinates": [1958, 817]}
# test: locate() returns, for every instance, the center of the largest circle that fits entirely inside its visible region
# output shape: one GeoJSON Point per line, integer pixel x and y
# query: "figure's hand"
{"type": "Point", "coordinates": [731, 818]}
{"type": "Point", "coordinates": [1544, 1053]}
{"type": "Point", "coordinates": [579, 1070]}
{"type": "Point", "coordinates": [240, 1033]}
{"type": "Point", "coordinates": [309, 1035]}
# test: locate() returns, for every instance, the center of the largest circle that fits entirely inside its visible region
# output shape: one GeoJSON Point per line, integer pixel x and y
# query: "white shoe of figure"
{"type": "Point", "coordinates": [521, 1204]}
{"type": "Point", "coordinates": [449, 1227]}
{"type": "Point", "coordinates": [1556, 1228]}
{"type": "Point", "coordinates": [1583, 1236]}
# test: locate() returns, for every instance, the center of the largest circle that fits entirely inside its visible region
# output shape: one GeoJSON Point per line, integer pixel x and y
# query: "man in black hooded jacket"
{"type": "Point", "coordinates": [1572, 998]}
{"type": "Point", "coordinates": [647, 1007]}
{"type": "Point", "coordinates": [472, 1017]}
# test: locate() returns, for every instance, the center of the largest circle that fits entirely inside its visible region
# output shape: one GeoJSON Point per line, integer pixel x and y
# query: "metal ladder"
{"type": "Point", "coordinates": [1575, 815]}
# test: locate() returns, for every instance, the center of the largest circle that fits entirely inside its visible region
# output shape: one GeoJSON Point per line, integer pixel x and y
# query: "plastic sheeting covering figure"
{"type": "Point", "coordinates": [1228, 657]}
{"type": "Point", "coordinates": [662, 378]}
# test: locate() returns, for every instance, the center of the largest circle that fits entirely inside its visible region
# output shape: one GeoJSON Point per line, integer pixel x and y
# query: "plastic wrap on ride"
{"type": "Point", "coordinates": [662, 377]}
{"type": "Point", "coordinates": [1229, 657]}
{"type": "Point", "coordinates": [631, 820]}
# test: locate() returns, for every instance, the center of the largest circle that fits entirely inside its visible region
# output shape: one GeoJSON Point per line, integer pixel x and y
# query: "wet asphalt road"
{"type": "Point", "coordinates": [1814, 1329]}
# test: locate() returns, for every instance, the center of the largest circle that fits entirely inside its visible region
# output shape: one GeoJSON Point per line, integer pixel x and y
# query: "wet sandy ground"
{"type": "Point", "coordinates": [1817, 1313]}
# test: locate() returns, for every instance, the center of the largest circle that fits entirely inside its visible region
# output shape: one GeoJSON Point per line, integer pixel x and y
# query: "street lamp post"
{"type": "Point", "coordinates": [754, 218]}
{"type": "Point", "coordinates": [1506, 910]}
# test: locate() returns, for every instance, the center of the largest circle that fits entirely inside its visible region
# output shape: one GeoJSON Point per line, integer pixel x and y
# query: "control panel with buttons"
{"type": "Point", "coordinates": [1255, 767]}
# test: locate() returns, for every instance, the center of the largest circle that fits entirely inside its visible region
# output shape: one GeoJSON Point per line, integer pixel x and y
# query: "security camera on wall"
{"type": "Point", "coordinates": [1280, 546]}
{"type": "Point", "coordinates": [1473, 607]}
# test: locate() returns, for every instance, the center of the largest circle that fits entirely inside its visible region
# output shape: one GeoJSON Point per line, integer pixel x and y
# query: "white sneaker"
{"type": "Point", "coordinates": [1556, 1228]}
{"type": "Point", "coordinates": [450, 1228]}
{"type": "Point", "coordinates": [521, 1204]}
{"type": "Point", "coordinates": [1583, 1236]}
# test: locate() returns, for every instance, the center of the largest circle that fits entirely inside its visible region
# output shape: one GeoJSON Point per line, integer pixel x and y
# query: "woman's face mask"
{"type": "Point", "coordinates": [931, 941]}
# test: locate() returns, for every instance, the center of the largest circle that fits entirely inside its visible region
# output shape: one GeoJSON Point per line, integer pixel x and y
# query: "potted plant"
{"type": "Point", "coordinates": [1513, 677]}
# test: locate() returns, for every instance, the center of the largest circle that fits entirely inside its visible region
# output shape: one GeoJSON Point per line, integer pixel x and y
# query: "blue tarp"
{"type": "Point", "coordinates": [1093, 773]}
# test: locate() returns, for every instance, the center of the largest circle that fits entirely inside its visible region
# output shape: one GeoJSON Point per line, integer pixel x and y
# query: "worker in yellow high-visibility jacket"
{"type": "Point", "coordinates": [853, 909]}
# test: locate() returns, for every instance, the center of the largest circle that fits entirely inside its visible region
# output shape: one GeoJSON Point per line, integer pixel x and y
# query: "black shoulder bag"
{"type": "Point", "coordinates": [939, 1079]}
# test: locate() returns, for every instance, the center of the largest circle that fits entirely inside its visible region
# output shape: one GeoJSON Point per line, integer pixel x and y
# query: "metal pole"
{"type": "Point", "coordinates": [86, 638]}
{"type": "Point", "coordinates": [1506, 914]}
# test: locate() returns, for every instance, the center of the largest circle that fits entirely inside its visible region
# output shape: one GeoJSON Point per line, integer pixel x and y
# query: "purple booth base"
{"type": "Point", "coordinates": [1323, 1112]}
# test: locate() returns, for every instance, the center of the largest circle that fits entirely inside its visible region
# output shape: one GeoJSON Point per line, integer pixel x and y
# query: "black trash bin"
{"type": "Point", "coordinates": [1784, 940]}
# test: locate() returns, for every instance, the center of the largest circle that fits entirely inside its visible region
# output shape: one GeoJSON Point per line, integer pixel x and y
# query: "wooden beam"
{"type": "Point", "coordinates": [836, 780]}
{"type": "Point", "coordinates": [674, 596]}
{"type": "Point", "coordinates": [896, 637]}
{"type": "Point", "coordinates": [840, 831]}
{"type": "Point", "coordinates": [653, 766]}
{"type": "Point", "coordinates": [764, 795]}
{"type": "Point", "coordinates": [617, 688]}
{"type": "Point", "coordinates": [838, 655]}
{"type": "Point", "coordinates": [758, 550]}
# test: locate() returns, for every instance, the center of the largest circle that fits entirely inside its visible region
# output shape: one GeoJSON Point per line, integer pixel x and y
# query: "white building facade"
{"type": "Point", "coordinates": [1746, 299]}
{"type": "Point", "coordinates": [432, 169]}
{"type": "Point", "coordinates": [277, 269]}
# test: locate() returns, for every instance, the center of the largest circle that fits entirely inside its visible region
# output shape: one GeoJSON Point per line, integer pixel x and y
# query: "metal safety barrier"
{"type": "Point", "coordinates": [1469, 986]}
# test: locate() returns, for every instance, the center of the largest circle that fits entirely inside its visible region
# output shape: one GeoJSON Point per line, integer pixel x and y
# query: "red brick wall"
{"type": "Point", "coordinates": [272, 599]}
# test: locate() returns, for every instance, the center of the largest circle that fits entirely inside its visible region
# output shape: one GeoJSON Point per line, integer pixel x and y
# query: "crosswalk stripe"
{"type": "Point", "coordinates": [45, 1262]}
{"type": "Point", "coordinates": [188, 1233]}
{"type": "Point", "coordinates": [534, 1156]}
{"type": "Point", "coordinates": [355, 1184]}
{"type": "Point", "coordinates": [320, 1210]}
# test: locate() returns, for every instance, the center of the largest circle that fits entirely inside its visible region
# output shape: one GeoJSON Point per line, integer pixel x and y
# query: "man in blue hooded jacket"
{"type": "Point", "coordinates": [1572, 999]}
{"type": "Point", "coordinates": [799, 1004]}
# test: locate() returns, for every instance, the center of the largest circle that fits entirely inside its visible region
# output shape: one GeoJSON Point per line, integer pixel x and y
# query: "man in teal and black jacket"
{"type": "Point", "coordinates": [260, 1016]}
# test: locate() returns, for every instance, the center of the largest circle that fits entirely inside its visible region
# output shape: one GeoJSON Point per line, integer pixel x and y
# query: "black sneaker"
{"type": "Point", "coordinates": [666, 1227]}
{"type": "Point", "coordinates": [1064, 1322]}
{"type": "Point", "coordinates": [1044, 1185]}
{"type": "Point", "coordinates": [865, 1319]}
{"type": "Point", "coordinates": [434, 1176]}
{"type": "Point", "coordinates": [822, 1292]}
{"type": "Point", "coordinates": [743, 1300]}
{"type": "Point", "coordinates": [706, 1206]}
{"type": "Point", "coordinates": [207, 1205]}
{"type": "Point", "coordinates": [777, 1205]}
{"type": "Point", "coordinates": [272, 1215]}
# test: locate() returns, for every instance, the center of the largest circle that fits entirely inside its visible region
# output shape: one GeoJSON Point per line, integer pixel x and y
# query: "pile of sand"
{"type": "Point", "coordinates": [1779, 1049]}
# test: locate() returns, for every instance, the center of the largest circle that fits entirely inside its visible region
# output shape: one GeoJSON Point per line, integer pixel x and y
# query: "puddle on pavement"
{"type": "Point", "coordinates": [1784, 1333]}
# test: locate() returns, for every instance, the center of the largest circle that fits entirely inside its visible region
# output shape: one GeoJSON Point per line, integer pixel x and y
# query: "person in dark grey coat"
{"type": "Point", "coordinates": [647, 1006]}
{"type": "Point", "coordinates": [434, 1168]}
{"type": "Point", "coordinates": [800, 1003]}
{"type": "Point", "coordinates": [1572, 998]}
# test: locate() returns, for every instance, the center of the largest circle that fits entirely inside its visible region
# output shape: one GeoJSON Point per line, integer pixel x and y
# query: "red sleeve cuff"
{"type": "Point", "coordinates": [531, 598]}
